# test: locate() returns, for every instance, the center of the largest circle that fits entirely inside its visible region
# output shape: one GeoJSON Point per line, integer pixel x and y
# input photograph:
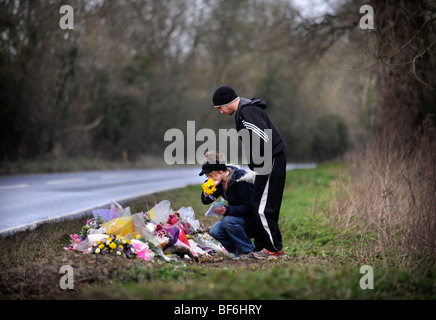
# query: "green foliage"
{"type": "Point", "coordinates": [142, 68]}
{"type": "Point", "coordinates": [330, 138]}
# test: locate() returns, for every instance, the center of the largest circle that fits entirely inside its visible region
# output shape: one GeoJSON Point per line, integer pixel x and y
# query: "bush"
{"type": "Point", "coordinates": [330, 138]}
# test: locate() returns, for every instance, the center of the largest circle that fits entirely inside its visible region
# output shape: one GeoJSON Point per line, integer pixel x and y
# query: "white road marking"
{"type": "Point", "coordinates": [13, 186]}
{"type": "Point", "coordinates": [115, 176]}
{"type": "Point", "coordinates": [62, 181]}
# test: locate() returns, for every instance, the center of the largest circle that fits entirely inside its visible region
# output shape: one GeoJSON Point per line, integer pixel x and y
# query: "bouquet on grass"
{"type": "Point", "coordinates": [116, 245]}
{"type": "Point", "coordinates": [93, 226]}
{"type": "Point", "coordinates": [161, 232]}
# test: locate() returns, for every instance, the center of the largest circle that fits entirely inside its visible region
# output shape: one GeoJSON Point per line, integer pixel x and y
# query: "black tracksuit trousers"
{"type": "Point", "coordinates": [267, 200]}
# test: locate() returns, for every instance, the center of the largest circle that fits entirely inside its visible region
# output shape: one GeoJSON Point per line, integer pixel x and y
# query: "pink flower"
{"type": "Point", "coordinates": [142, 250]}
{"type": "Point", "coordinates": [76, 240]}
{"type": "Point", "coordinates": [172, 219]}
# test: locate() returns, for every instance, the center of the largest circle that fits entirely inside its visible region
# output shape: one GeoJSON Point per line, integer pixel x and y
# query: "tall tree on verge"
{"type": "Point", "coordinates": [405, 37]}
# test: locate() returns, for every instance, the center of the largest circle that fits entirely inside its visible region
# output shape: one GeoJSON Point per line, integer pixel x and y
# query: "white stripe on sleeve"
{"type": "Point", "coordinates": [256, 130]}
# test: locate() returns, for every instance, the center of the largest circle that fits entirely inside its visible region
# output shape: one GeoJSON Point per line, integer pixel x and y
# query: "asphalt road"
{"type": "Point", "coordinates": [27, 200]}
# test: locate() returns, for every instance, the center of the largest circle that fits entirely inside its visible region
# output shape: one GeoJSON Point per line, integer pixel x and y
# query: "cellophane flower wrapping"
{"type": "Point", "coordinates": [123, 226]}
{"type": "Point", "coordinates": [141, 236]}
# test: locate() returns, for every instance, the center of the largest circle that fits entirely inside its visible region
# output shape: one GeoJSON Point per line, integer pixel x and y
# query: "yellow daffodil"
{"type": "Point", "coordinates": [113, 245]}
{"type": "Point", "coordinates": [209, 186]}
{"type": "Point", "coordinates": [101, 246]}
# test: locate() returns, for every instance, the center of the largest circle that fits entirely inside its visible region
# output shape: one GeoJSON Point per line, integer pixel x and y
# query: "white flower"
{"type": "Point", "coordinates": [150, 227]}
{"type": "Point", "coordinates": [97, 250]}
{"type": "Point", "coordinates": [163, 240]}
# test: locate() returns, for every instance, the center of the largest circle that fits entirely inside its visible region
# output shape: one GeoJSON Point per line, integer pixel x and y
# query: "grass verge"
{"type": "Point", "coordinates": [323, 260]}
{"type": "Point", "coordinates": [52, 164]}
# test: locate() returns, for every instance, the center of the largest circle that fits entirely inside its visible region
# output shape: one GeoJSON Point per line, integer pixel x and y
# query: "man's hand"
{"type": "Point", "coordinates": [220, 210]}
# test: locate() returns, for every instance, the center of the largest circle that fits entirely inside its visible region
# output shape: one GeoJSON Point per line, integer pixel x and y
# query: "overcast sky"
{"type": "Point", "coordinates": [313, 8]}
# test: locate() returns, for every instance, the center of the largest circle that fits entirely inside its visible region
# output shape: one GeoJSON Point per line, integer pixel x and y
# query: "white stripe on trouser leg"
{"type": "Point", "coordinates": [262, 206]}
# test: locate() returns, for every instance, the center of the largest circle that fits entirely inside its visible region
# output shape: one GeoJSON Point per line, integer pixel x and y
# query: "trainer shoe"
{"type": "Point", "coordinates": [265, 254]}
{"type": "Point", "coordinates": [247, 256]}
{"type": "Point", "coordinates": [243, 256]}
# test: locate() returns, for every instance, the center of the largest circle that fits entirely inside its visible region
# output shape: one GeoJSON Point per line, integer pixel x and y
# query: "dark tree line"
{"type": "Point", "coordinates": [130, 70]}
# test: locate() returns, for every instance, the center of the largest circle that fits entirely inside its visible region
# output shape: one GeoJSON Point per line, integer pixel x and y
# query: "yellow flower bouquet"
{"type": "Point", "coordinates": [209, 187]}
{"type": "Point", "coordinates": [115, 245]}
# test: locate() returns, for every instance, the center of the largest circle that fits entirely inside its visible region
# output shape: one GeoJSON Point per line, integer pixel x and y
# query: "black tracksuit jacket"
{"type": "Point", "coordinates": [251, 116]}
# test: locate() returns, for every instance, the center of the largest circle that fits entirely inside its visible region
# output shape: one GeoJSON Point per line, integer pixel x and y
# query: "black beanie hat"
{"type": "Point", "coordinates": [223, 95]}
{"type": "Point", "coordinates": [209, 167]}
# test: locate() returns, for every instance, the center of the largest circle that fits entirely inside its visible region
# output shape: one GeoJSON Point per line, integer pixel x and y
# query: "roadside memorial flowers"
{"type": "Point", "coordinates": [122, 226]}
{"type": "Point", "coordinates": [161, 232]}
{"type": "Point", "coordinates": [115, 245]}
{"type": "Point", "coordinates": [93, 226]}
{"type": "Point", "coordinates": [76, 241]}
{"type": "Point", "coordinates": [143, 250]}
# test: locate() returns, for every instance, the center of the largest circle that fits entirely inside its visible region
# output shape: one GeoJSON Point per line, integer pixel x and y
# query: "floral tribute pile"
{"type": "Point", "coordinates": [160, 232]}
